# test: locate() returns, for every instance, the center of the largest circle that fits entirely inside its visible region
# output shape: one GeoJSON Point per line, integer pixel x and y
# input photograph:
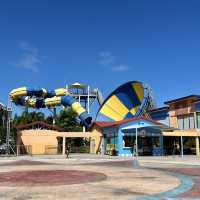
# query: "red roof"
{"type": "Point", "coordinates": [37, 124]}
{"type": "Point", "coordinates": [103, 124]}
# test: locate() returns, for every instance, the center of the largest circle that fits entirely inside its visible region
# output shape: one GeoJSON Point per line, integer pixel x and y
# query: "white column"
{"type": "Point", "coordinates": [63, 150]}
{"type": "Point", "coordinates": [136, 143]}
{"type": "Point", "coordinates": [181, 146]}
{"type": "Point", "coordinates": [197, 145]}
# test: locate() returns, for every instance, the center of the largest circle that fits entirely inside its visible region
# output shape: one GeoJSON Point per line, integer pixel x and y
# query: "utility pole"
{"type": "Point", "coordinates": [9, 114]}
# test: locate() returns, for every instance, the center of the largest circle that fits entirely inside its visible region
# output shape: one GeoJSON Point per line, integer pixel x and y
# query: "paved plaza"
{"type": "Point", "coordinates": [85, 176]}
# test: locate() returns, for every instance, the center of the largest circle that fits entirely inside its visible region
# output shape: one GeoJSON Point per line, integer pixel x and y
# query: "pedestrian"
{"type": "Point", "coordinates": [134, 149]}
{"type": "Point", "coordinates": [67, 149]}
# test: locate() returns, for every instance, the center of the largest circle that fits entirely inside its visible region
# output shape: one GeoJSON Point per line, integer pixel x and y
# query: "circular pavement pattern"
{"type": "Point", "coordinates": [49, 177]}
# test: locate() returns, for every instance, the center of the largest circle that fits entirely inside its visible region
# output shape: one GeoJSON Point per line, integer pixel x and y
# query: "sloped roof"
{"type": "Point", "coordinates": [39, 124]}
{"type": "Point", "coordinates": [164, 108]}
{"type": "Point", "coordinates": [190, 97]}
{"type": "Point", "coordinates": [103, 124]}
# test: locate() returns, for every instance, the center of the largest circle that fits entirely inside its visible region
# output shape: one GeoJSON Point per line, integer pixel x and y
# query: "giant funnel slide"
{"type": "Point", "coordinates": [131, 99]}
{"type": "Point", "coordinates": [42, 98]}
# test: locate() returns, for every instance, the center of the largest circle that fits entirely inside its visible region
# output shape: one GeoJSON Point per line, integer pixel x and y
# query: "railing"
{"type": "Point", "coordinates": [21, 150]}
{"type": "Point", "coordinates": [81, 149]}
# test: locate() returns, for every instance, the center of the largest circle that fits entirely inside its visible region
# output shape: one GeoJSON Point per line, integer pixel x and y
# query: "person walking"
{"type": "Point", "coordinates": [134, 149]}
{"type": "Point", "coordinates": [67, 150]}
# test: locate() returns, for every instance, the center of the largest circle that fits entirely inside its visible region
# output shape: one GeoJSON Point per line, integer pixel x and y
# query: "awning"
{"type": "Point", "coordinates": [144, 129]}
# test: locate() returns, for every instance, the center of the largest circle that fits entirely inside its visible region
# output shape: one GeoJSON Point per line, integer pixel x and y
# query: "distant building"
{"type": "Point", "coordinates": [170, 130]}
{"type": "Point", "coordinates": [182, 112]}
{"type": "Point", "coordinates": [160, 114]}
{"type": "Point", "coordinates": [178, 133]}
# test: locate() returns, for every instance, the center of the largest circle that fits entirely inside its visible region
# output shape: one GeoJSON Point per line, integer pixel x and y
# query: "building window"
{"type": "Point", "coordinates": [111, 141]}
{"type": "Point", "coordinates": [180, 123]}
{"type": "Point", "coordinates": [192, 125]}
{"type": "Point", "coordinates": [128, 141]}
{"type": "Point", "coordinates": [186, 122]}
{"type": "Point", "coordinates": [198, 119]}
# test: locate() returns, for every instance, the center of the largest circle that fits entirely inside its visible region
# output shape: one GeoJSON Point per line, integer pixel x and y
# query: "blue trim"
{"type": "Point", "coordinates": [186, 184]}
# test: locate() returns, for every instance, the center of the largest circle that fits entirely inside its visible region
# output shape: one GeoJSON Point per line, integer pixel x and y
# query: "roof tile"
{"type": "Point", "coordinates": [103, 124]}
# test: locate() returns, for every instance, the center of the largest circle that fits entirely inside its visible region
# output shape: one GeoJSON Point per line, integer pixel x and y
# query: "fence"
{"type": "Point", "coordinates": [23, 150]}
{"type": "Point", "coordinates": [81, 149]}
{"type": "Point", "coordinates": [47, 149]}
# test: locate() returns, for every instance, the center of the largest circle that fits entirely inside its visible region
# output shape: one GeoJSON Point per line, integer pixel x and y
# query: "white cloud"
{"type": "Point", "coordinates": [29, 58]}
{"type": "Point", "coordinates": [120, 68]}
{"type": "Point", "coordinates": [105, 58]}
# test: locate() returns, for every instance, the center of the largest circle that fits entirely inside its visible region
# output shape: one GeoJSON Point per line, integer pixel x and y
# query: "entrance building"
{"type": "Point", "coordinates": [183, 115]}
{"type": "Point", "coordinates": [119, 138]}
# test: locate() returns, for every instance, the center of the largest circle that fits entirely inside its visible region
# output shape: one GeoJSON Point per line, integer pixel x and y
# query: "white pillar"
{"type": "Point", "coordinates": [181, 146]}
{"type": "Point", "coordinates": [136, 143]}
{"type": "Point", "coordinates": [63, 150]}
{"type": "Point", "coordinates": [17, 150]}
{"type": "Point", "coordinates": [197, 145]}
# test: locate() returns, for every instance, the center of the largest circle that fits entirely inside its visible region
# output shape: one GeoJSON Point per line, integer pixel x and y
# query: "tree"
{"type": "Point", "coordinates": [28, 117]}
{"type": "Point", "coordinates": [67, 119]}
{"type": "Point", "coordinates": [2, 126]}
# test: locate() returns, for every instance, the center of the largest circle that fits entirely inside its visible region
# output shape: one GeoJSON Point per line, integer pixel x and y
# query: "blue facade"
{"type": "Point", "coordinates": [122, 138]}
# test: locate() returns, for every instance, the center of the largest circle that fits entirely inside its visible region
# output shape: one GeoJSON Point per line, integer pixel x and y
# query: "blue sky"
{"type": "Point", "coordinates": [101, 43]}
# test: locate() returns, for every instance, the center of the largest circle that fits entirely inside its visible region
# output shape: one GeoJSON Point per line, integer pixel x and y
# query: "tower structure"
{"type": "Point", "coordinates": [84, 94]}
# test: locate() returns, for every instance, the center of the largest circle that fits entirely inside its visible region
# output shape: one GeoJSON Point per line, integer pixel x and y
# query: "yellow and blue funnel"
{"type": "Point", "coordinates": [128, 100]}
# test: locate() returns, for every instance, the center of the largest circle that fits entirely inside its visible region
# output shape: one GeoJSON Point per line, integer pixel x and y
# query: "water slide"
{"type": "Point", "coordinates": [131, 99]}
{"type": "Point", "coordinates": [42, 98]}
{"type": "Point", "coordinates": [100, 97]}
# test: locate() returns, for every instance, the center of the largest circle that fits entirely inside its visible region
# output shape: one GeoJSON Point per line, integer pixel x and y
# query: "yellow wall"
{"type": "Point", "coordinates": [41, 141]}
{"type": "Point", "coordinates": [96, 137]}
{"type": "Point", "coordinates": [45, 141]}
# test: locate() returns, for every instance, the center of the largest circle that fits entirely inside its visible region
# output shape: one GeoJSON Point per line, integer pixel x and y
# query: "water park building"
{"type": "Point", "coordinates": [178, 122]}
{"type": "Point", "coordinates": [173, 129]}
{"type": "Point", "coordinates": [128, 111]}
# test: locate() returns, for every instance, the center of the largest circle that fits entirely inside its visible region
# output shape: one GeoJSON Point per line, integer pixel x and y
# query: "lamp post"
{"type": "Point", "coordinates": [136, 143]}
{"type": "Point", "coordinates": [136, 163]}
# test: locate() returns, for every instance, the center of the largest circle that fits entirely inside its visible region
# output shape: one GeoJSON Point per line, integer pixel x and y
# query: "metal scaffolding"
{"type": "Point", "coordinates": [85, 95]}
{"type": "Point", "coordinates": [6, 118]}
